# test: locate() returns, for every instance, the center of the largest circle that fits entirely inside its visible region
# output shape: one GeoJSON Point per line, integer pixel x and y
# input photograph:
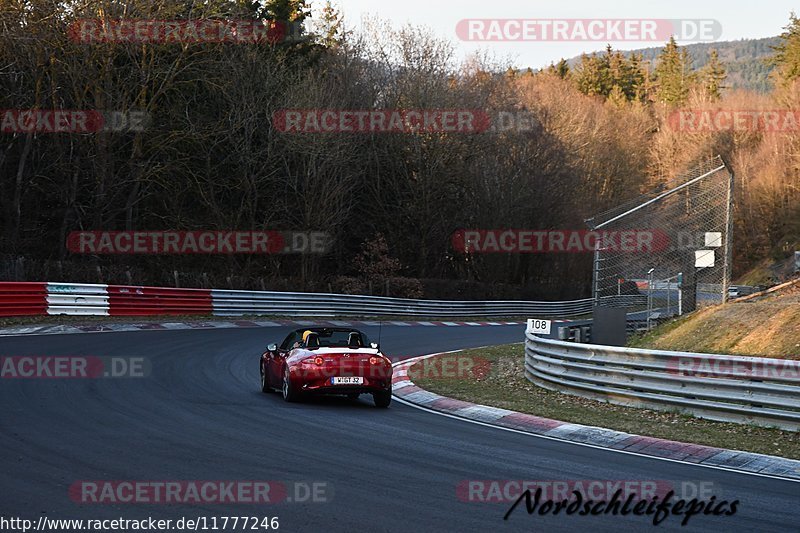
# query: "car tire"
{"type": "Point", "coordinates": [287, 389]}
{"type": "Point", "coordinates": [265, 388]}
{"type": "Point", "coordinates": [382, 399]}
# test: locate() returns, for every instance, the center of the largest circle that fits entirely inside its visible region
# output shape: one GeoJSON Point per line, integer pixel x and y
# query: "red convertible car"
{"type": "Point", "coordinates": [327, 361]}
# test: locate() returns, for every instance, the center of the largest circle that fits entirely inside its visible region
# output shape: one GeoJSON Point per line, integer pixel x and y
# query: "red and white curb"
{"type": "Point", "coordinates": [220, 324]}
{"type": "Point", "coordinates": [744, 462]}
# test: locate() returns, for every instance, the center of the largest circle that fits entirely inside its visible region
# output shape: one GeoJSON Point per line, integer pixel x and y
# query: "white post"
{"type": "Point", "coordinates": [649, 297]}
{"type": "Point", "coordinates": [669, 297]}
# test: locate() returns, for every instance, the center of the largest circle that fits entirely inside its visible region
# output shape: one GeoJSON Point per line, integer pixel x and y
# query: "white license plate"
{"type": "Point", "coordinates": [350, 380]}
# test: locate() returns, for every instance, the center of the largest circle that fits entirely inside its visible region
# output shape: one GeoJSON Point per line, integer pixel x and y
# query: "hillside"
{"type": "Point", "coordinates": [744, 60]}
{"type": "Point", "coordinates": [770, 272]}
{"type": "Point", "coordinates": [768, 325]}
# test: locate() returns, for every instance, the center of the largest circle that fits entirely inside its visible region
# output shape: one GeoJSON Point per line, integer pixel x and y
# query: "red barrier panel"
{"type": "Point", "coordinates": [23, 299]}
{"type": "Point", "coordinates": [143, 301]}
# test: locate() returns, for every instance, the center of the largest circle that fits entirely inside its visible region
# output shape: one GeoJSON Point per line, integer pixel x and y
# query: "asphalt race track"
{"type": "Point", "coordinates": [201, 416]}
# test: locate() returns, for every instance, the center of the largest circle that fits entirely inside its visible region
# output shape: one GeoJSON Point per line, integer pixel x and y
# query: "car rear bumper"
{"type": "Point", "coordinates": [313, 379]}
{"type": "Point", "coordinates": [324, 386]}
{"type": "Point", "coordinates": [349, 389]}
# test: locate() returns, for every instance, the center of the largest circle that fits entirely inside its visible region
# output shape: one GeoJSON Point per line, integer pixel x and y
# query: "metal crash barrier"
{"type": "Point", "coordinates": [26, 299]}
{"type": "Point", "coordinates": [729, 388]}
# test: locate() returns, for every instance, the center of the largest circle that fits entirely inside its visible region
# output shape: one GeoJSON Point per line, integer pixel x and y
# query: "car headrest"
{"type": "Point", "coordinates": [355, 340]}
{"type": "Point", "coordinates": [312, 341]}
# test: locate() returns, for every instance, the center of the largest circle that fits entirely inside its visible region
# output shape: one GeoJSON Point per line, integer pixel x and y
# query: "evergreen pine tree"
{"type": "Point", "coordinates": [712, 75]}
{"type": "Point", "coordinates": [787, 54]}
{"type": "Point", "coordinates": [636, 78]}
{"type": "Point", "coordinates": [332, 31]}
{"type": "Point", "coordinates": [592, 75]}
{"type": "Point", "coordinates": [617, 96]}
{"type": "Point", "coordinates": [286, 11]}
{"type": "Point", "coordinates": [562, 68]}
{"type": "Point", "coordinates": [672, 74]}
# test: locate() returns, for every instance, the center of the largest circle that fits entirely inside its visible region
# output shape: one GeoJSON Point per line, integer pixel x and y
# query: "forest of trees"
{"type": "Point", "coordinates": [211, 158]}
{"type": "Point", "coordinates": [744, 60]}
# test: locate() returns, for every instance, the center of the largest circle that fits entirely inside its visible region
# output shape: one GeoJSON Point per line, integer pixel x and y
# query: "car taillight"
{"type": "Point", "coordinates": [319, 361]}
{"type": "Point", "coordinates": [375, 360]}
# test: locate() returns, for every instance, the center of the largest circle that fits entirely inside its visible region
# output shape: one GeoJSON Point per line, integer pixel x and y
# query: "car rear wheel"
{"type": "Point", "coordinates": [288, 390]}
{"type": "Point", "coordinates": [264, 380]}
{"type": "Point", "coordinates": [382, 399]}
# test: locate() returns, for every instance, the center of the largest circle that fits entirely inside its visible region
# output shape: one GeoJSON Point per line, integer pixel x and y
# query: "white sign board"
{"type": "Point", "coordinates": [704, 258]}
{"type": "Point", "coordinates": [538, 326]}
{"type": "Point", "coordinates": [713, 239]}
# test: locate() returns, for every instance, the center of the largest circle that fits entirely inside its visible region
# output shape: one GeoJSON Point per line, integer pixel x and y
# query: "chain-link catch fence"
{"type": "Point", "coordinates": [679, 244]}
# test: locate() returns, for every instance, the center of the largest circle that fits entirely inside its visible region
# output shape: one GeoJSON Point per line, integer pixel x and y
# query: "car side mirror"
{"type": "Point", "coordinates": [375, 346]}
{"type": "Point", "coordinates": [272, 348]}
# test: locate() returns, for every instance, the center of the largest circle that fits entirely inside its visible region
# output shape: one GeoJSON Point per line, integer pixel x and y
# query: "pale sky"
{"type": "Point", "coordinates": [738, 18]}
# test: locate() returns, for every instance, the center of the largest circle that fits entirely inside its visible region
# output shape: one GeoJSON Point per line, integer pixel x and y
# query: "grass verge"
{"type": "Point", "coordinates": [505, 386]}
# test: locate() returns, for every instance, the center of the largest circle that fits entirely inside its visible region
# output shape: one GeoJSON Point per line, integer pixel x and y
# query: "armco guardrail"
{"type": "Point", "coordinates": [30, 299]}
{"type": "Point", "coordinates": [232, 303]}
{"type": "Point", "coordinates": [23, 299]}
{"type": "Point", "coordinates": [19, 299]}
{"type": "Point", "coordinates": [729, 388]}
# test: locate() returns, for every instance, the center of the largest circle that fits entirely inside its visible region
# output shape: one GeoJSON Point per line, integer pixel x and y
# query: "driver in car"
{"type": "Point", "coordinates": [302, 343]}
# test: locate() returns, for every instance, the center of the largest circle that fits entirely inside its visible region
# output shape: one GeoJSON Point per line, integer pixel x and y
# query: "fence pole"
{"type": "Point", "coordinates": [649, 297]}
{"type": "Point", "coordinates": [669, 297]}
{"type": "Point", "coordinates": [726, 271]}
{"type": "Point", "coordinates": [596, 288]}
